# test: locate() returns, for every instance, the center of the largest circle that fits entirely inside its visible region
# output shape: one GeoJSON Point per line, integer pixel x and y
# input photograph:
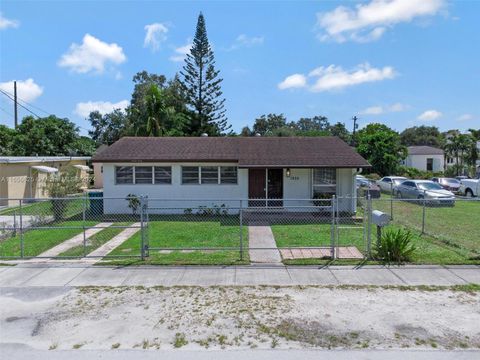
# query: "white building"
{"type": "Point", "coordinates": [186, 172]}
{"type": "Point", "coordinates": [425, 158]}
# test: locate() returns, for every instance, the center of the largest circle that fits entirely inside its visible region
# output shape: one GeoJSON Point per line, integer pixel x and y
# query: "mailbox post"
{"type": "Point", "coordinates": [380, 219]}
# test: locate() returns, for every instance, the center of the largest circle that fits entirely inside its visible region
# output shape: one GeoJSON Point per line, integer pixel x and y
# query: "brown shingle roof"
{"type": "Point", "coordinates": [247, 151]}
{"type": "Point", "coordinates": [424, 150]}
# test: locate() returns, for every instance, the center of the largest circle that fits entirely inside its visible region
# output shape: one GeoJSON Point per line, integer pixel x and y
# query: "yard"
{"type": "Point", "coordinates": [186, 235]}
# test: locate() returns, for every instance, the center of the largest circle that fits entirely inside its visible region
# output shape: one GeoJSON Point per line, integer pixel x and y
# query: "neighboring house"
{"type": "Point", "coordinates": [425, 158]}
{"type": "Point", "coordinates": [214, 170]}
{"type": "Point", "coordinates": [98, 169]}
{"type": "Point", "coordinates": [24, 177]}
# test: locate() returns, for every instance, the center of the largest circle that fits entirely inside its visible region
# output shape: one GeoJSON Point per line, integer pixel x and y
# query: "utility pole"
{"type": "Point", "coordinates": [15, 104]}
{"type": "Point", "coordinates": [355, 126]}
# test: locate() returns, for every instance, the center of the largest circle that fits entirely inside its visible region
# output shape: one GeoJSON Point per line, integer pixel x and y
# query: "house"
{"type": "Point", "coordinates": [98, 169]}
{"type": "Point", "coordinates": [425, 158]}
{"type": "Point", "coordinates": [24, 177]}
{"type": "Point", "coordinates": [187, 172]}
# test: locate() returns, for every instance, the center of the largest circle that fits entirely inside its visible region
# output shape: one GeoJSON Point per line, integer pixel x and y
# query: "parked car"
{"type": "Point", "coordinates": [448, 183]}
{"type": "Point", "coordinates": [462, 177]}
{"type": "Point", "coordinates": [470, 187]}
{"type": "Point", "coordinates": [368, 187]}
{"type": "Point", "coordinates": [389, 183]}
{"type": "Point", "coordinates": [425, 189]}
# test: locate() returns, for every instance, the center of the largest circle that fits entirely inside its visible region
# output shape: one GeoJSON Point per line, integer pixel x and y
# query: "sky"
{"type": "Point", "coordinates": [398, 62]}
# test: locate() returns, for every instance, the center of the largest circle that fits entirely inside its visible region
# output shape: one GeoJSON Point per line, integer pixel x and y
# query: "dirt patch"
{"type": "Point", "coordinates": [244, 317]}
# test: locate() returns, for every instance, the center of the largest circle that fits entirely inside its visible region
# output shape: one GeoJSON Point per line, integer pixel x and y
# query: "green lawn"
{"type": "Point", "coordinates": [44, 208]}
{"type": "Point", "coordinates": [187, 234]}
{"type": "Point", "coordinates": [96, 240]}
{"type": "Point", "coordinates": [37, 241]}
{"type": "Point", "coordinates": [457, 226]}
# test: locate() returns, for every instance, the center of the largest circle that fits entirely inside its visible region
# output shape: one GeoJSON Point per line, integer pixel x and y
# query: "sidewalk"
{"type": "Point", "coordinates": [59, 275]}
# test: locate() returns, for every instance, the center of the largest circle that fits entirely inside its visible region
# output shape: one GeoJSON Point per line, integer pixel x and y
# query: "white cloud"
{"type": "Point", "coordinates": [429, 115]}
{"type": "Point", "coordinates": [378, 110]}
{"type": "Point", "coordinates": [181, 52]}
{"type": "Point", "coordinates": [368, 22]}
{"type": "Point", "coordinates": [465, 117]}
{"type": "Point", "coordinates": [27, 90]}
{"type": "Point", "coordinates": [84, 109]}
{"type": "Point", "coordinates": [7, 23]}
{"type": "Point", "coordinates": [243, 40]}
{"type": "Point", "coordinates": [293, 81]}
{"type": "Point", "coordinates": [155, 35]}
{"type": "Point", "coordinates": [333, 77]}
{"type": "Point", "coordinates": [92, 55]}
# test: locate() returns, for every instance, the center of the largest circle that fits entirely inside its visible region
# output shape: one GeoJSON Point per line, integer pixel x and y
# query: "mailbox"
{"type": "Point", "coordinates": [380, 218]}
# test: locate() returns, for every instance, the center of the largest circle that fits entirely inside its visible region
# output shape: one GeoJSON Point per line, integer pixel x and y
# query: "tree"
{"type": "Point", "coordinates": [341, 131]}
{"type": "Point", "coordinates": [7, 141]}
{"type": "Point", "coordinates": [49, 136]}
{"type": "Point", "coordinates": [381, 146]}
{"type": "Point", "coordinates": [315, 124]}
{"type": "Point", "coordinates": [202, 86]}
{"type": "Point", "coordinates": [84, 146]}
{"type": "Point", "coordinates": [266, 124]}
{"type": "Point", "coordinates": [421, 135]}
{"type": "Point", "coordinates": [107, 128]}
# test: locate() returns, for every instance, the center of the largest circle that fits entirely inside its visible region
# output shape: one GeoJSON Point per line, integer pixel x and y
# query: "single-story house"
{"type": "Point", "coordinates": [98, 169]}
{"type": "Point", "coordinates": [24, 177]}
{"type": "Point", "coordinates": [425, 158]}
{"type": "Point", "coordinates": [187, 172]}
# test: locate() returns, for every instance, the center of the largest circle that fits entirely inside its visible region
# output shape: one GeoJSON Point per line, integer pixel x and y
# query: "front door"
{"type": "Point", "coordinates": [264, 185]}
{"type": "Point", "coordinates": [275, 186]}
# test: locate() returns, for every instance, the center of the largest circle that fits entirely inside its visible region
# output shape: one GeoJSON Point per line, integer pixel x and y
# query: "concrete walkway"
{"type": "Point", "coordinates": [261, 236]}
{"type": "Point", "coordinates": [74, 241]}
{"type": "Point", "coordinates": [68, 274]}
{"type": "Point", "coordinates": [97, 254]}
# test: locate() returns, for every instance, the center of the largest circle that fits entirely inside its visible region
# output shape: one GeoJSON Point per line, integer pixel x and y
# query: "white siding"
{"type": "Point", "coordinates": [420, 162]}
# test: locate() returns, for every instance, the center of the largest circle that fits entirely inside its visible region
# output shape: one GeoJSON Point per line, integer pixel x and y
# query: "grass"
{"type": "Point", "coordinates": [37, 241]}
{"type": "Point", "coordinates": [191, 234]}
{"type": "Point", "coordinates": [95, 241]}
{"type": "Point", "coordinates": [429, 250]}
{"type": "Point", "coordinates": [44, 208]}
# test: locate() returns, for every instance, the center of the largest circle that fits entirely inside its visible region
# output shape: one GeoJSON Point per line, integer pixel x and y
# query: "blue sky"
{"type": "Point", "coordinates": [398, 62]}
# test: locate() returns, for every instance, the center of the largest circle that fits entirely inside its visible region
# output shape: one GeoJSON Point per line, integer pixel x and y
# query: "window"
{"type": "Point", "coordinates": [324, 181]}
{"type": "Point", "coordinates": [143, 175]}
{"type": "Point", "coordinates": [190, 175]}
{"type": "Point", "coordinates": [209, 174]}
{"type": "Point", "coordinates": [163, 174]}
{"type": "Point", "coordinates": [124, 174]}
{"type": "Point", "coordinates": [228, 175]}
{"type": "Point", "coordinates": [387, 180]}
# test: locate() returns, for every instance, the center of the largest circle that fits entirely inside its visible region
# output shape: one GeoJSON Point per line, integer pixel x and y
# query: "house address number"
{"type": "Point", "coordinates": [294, 177]}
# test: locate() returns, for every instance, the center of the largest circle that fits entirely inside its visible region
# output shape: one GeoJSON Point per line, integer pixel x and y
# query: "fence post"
{"type": "Point", "coordinates": [22, 249]}
{"type": "Point", "coordinates": [14, 223]}
{"type": "Point", "coordinates": [332, 228]}
{"type": "Point", "coordinates": [241, 230]}
{"type": "Point", "coordinates": [391, 201]}
{"type": "Point", "coordinates": [142, 235]}
{"type": "Point", "coordinates": [423, 212]}
{"type": "Point", "coordinates": [84, 208]}
{"type": "Point", "coordinates": [369, 224]}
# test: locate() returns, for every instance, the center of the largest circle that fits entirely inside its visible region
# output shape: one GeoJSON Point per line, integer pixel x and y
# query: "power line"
{"type": "Point", "coordinates": [29, 104]}
{"type": "Point", "coordinates": [6, 112]}
{"type": "Point", "coordinates": [30, 111]}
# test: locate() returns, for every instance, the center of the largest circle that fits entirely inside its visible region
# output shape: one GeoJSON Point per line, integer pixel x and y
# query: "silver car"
{"type": "Point", "coordinates": [432, 192]}
{"type": "Point", "coordinates": [389, 183]}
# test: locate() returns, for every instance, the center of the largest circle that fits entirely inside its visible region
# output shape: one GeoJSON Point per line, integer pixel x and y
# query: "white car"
{"type": "Point", "coordinates": [389, 183]}
{"type": "Point", "coordinates": [469, 187]}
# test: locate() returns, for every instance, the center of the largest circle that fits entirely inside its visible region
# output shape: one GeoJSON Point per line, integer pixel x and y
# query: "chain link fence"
{"type": "Point", "coordinates": [179, 231]}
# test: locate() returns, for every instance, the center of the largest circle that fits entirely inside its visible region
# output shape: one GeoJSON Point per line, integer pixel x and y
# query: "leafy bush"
{"type": "Point", "coordinates": [373, 176]}
{"type": "Point", "coordinates": [414, 173]}
{"type": "Point", "coordinates": [133, 202]}
{"type": "Point", "coordinates": [395, 246]}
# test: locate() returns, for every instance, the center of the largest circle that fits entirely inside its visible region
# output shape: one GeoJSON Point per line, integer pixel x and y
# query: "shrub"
{"type": "Point", "coordinates": [395, 246]}
{"type": "Point", "coordinates": [372, 176]}
{"type": "Point", "coordinates": [133, 202]}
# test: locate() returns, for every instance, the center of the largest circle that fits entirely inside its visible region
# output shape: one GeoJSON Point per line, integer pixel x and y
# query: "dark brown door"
{"type": "Point", "coordinates": [257, 186]}
{"type": "Point", "coordinates": [275, 187]}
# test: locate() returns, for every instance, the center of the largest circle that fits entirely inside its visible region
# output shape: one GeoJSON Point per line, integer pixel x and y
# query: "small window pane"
{"type": "Point", "coordinates": [163, 174]}
{"type": "Point", "coordinates": [190, 175]}
{"type": "Point", "coordinates": [228, 175]}
{"type": "Point", "coordinates": [124, 174]}
{"type": "Point", "coordinates": [324, 181]}
{"type": "Point", "coordinates": [209, 175]}
{"type": "Point", "coordinates": [143, 174]}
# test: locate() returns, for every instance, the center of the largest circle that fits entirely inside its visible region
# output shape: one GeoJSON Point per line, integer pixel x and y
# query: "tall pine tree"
{"type": "Point", "coordinates": [202, 86]}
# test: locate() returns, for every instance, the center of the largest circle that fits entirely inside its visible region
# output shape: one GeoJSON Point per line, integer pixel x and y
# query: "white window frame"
{"type": "Point", "coordinates": [134, 178]}
{"type": "Point", "coordinates": [326, 186]}
{"type": "Point", "coordinates": [133, 174]}
{"type": "Point", "coordinates": [219, 176]}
